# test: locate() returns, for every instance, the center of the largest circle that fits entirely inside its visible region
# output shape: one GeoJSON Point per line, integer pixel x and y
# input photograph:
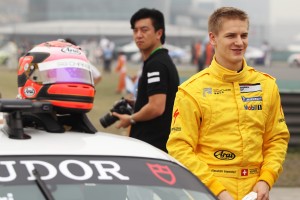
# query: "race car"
{"type": "Point", "coordinates": [37, 162]}
{"type": "Point", "coordinates": [294, 60]}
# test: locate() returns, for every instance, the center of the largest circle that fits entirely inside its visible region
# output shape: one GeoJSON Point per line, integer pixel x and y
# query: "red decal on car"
{"type": "Point", "coordinates": [163, 173]}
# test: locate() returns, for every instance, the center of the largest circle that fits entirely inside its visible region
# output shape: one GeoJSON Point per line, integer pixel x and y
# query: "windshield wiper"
{"type": "Point", "coordinates": [42, 186]}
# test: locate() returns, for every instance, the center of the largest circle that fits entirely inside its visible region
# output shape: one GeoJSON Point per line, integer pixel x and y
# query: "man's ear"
{"type": "Point", "coordinates": [159, 34]}
{"type": "Point", "coordinates": [212, 39]}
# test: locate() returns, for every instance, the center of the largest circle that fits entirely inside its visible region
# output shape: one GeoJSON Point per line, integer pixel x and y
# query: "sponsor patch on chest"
{"type": "Point", "coordinates": [246, 88]}
{"type": "Point", "coordinates": [248, 99]}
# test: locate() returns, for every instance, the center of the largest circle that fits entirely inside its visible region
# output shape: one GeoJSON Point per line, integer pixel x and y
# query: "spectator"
{"type": "Point", "coordinates": [228, 126]}
{"type": "Point", "coordinates": [108, 55]}
{"type": "Point", "coordinates": [157, 84]}
{"type": "Point", "coordinates": [209, 53]}
{"type": "Point", "coordinates": [121, 69]}
{"type": "Point", "coordinates": [198, 59]}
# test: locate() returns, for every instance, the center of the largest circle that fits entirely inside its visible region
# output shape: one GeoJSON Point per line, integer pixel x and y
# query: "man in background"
{"type": "Point", "coordinates": [157, 84]}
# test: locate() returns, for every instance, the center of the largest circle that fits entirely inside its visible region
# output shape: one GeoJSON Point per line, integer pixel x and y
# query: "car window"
{"type": "Point", "coordinates": [98, 177]}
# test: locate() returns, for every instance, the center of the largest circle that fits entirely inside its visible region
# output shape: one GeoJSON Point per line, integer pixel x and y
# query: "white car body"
{"type": "Point", "coordinates": [77, 165]}
{"type": "Point", "coordinates": [75, 143]}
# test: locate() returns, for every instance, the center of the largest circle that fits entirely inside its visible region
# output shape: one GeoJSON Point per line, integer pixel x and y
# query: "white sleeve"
{"type": "Point", "coordinates": [95, 72]}
{"type": "Point", "coordinates": [1, 118]}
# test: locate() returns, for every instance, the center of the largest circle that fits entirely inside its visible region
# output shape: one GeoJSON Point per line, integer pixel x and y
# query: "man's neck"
{"type": "Point", "coordinates": [147, 53]}
{"type": "Point", "coordinates": [231, 66]}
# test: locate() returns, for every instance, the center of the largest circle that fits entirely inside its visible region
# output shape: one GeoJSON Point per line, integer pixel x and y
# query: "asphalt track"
{"type": "Point", "coordinates": [285, 193]}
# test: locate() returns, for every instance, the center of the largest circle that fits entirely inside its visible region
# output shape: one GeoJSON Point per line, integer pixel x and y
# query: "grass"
{"type": "Point", "coordinates": [106, 96]}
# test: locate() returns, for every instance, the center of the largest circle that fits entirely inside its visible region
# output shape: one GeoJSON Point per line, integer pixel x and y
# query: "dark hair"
{"type": "Point", "coordinates": [217, 17]}
{"type": "Point", "coordinates": [70, 41]}
{"type": "Point", "coordinates": [156, 17]}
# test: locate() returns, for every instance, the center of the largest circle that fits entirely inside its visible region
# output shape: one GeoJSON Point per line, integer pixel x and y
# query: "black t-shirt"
{"type": "Point", "coordinates": [159, 76]}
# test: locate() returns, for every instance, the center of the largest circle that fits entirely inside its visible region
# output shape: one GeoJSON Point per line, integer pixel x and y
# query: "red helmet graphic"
{"type": "Point", "coordinates": [58, 72]}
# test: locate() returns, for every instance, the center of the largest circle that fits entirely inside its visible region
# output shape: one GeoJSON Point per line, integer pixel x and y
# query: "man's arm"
{"type": "Point", "coordinates": [154, 108]}
{"type": "Point", "coordinates": [184, 140]}
{"type": "Point", "coordinates": [276, 138]}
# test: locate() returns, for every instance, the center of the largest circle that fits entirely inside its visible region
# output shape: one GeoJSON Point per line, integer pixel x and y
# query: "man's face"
{"type": "Point", "coordinates": [145, 36]}
{"type": "Point", "coordinates": [230, 43]}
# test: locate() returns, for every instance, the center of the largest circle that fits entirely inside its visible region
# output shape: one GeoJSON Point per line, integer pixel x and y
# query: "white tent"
{"type": "Point", "coordinates": [129, 48]}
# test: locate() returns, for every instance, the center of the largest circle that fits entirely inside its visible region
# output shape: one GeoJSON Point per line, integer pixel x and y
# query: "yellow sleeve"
{"type": "Point", "coordinates": [275, 140]}
{"type": "Point", "coordinates": [184, 137]}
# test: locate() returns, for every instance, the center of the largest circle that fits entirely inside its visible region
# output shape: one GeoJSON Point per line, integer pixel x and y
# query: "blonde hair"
{"type": "Point", "coordinates": [216, 18]}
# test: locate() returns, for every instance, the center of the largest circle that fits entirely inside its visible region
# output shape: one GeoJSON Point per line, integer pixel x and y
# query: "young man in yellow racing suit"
{"type": "Point", "coordinates": [228, 126]}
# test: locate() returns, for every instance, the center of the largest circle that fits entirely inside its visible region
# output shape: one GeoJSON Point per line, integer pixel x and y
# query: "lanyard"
{"type": "Point", "coordinates": [155, 50]}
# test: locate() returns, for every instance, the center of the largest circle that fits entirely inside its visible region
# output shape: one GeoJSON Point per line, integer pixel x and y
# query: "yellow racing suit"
{"type": "Point", "coordinates": [228, 128]}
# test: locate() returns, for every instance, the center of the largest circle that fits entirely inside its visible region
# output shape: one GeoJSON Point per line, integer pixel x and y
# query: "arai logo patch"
{"type": "Point", "coordinates": [71, 50]}
{"type": "Point", "coordinates": [29, 91]}
{"type": "Point", "coordinates": [224, 155]}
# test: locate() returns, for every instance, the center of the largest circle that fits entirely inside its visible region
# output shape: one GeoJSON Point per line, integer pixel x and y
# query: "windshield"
{"type": "Point", "coordinates": [94, 177]}
{"type": "Point", "coordinates": [61, 71]}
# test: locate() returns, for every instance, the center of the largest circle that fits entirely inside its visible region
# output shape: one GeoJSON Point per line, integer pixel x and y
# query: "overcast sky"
{"type": "Point", "coordinates": [285, 11]}
{"type": "Point", "coordinates": [281, 18]}
{"type": "Point", "coordinates": [280, 10]}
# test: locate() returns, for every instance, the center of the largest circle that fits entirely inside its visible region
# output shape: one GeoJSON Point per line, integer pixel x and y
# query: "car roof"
{"type": "Point", "coordinates": [76, 143]}
{"type": "Point", "coordinates": [16, 139]}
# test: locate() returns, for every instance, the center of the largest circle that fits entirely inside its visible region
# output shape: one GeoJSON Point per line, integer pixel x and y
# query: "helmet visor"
{"type": "Point", "coordinates": [62, 71]}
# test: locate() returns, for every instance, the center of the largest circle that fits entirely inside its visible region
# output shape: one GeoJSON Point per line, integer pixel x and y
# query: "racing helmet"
{"type": "Point", "coordinates": [59, 72]}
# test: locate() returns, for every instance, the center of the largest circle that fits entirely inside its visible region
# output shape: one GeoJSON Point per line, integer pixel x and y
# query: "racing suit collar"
{"type": "Point", "coordinates": [227, 75]}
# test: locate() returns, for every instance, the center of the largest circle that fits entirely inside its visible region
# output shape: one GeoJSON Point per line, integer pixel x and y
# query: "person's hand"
{"type": "Point", "coordinates": [124, 120]}
{"type": "Point", "coordinates": [224, 195]}
{"type": "Point", "coordinates": [262, 189]}
{"type": "Point", "coordinates": [130, 100]}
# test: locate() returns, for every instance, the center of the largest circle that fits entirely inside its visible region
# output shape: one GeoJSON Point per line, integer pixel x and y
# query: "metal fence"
{"type": "Point", "coordinates": [291, 107]}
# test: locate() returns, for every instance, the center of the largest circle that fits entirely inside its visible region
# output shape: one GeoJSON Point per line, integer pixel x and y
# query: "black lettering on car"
{"type": "Point", "coordinates": [105, 170]}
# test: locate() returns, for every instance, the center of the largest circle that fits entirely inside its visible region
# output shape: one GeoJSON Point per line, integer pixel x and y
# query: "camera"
{"type": "Point", "coordinates": [122, 107]}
